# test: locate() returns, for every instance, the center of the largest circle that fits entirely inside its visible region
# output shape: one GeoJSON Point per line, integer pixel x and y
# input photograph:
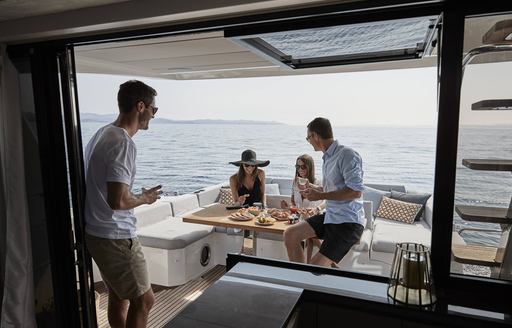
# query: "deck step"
{"type": "Point", "coordinates": [488, 164]}
{"type": "Point", "coordinates": [483, 214]}
{"type": "Point", "coordinates": [477, 255]}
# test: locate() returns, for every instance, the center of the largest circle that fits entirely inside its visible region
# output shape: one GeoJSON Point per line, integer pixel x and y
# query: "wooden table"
{"type": "Point", "coordinates": [217, 215]}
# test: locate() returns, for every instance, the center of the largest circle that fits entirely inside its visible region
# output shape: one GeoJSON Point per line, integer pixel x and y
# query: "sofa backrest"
{"type": "Point", "coordinates": [150, 214]}
{"type": "Point", "coordinates": [182, 203]}
{"type": "Point", "coordinates": [274, 201]}
{"type": "Point", "coordinates": [285, 185]}
{"type": "Point", "coordinates": [368, 214]}
{"type": "Point", "coordinates": [386, 187]}
{"type": "Point", "coordinates": [208, 195]}
{"type": "Point", "coordinates": [427, 213]}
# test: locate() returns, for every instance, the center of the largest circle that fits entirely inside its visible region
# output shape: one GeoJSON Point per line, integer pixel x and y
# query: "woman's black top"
{"type": "Point", "coordinates": [254, 194]}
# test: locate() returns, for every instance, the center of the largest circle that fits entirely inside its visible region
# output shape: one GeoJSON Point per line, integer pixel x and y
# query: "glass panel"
{"type": "Point", "coordinates": [482, 218]}
{"type": "Point", "coordinates": [352, 39]}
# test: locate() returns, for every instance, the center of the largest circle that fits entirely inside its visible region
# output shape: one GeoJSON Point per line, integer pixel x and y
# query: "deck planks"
{"type": "Point", "coordinates": [169, 301]}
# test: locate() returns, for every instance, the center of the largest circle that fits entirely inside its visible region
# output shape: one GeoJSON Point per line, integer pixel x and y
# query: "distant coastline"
{"type": "Point", "coordinates": [107, 118]}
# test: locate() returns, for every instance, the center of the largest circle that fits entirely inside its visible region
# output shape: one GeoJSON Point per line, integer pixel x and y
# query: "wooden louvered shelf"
{"type": "Point", "coordinates": [477, 255]}
{"type": "Point", "coordinates": [483, 214]}
{"type": "Point", "coordinates": [494, 104]}
{"type": "Point", "coordinates": [488, 164]}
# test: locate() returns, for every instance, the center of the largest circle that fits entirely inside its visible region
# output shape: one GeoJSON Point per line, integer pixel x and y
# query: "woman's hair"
{"type": "Point", "coordinates": [310, 163]}
{"type": "Point", "coordinates": [241, 174]}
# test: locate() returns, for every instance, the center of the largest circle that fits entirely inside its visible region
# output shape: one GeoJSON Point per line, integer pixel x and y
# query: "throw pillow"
{"type": "Point", "coordinates": [272, 189]}
{"type": "Point", "coordinates": [397, 210]}
{"type": "Point", "coordinates": [412, 198]}
{"type": "Point", "coordinates": [226, 197]}
{"type": "Point", "coordinates": [375, 196]}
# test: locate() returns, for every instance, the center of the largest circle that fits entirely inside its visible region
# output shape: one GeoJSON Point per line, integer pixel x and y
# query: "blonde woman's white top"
{"type": "Point", "coordinates": [303, 203]}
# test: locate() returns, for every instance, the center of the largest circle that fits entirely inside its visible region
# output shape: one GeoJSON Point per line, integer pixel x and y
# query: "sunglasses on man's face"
{"type": "Point", "coordinates": [302, 167]}
{"type": "Point", "coordinates": [154, 109]}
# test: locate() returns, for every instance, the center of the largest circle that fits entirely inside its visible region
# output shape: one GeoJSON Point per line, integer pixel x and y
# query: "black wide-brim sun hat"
{"type": "Point", "coordinates": [249, 158]}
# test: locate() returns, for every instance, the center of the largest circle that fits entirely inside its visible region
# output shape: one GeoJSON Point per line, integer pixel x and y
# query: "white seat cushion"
{"type": "Point", "coordinates": [388, 233]}
{"type": "Point", "coordinates": [172, 233]}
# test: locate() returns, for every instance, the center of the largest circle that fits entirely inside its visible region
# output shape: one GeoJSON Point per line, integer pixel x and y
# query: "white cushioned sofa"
{"type": "Point", "coordinates": [374, 252]}
{"type": "Point", "coordinates": [177, 252]}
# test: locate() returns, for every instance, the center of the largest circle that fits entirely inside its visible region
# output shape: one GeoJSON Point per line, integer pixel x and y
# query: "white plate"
{"type": "Point", "coordinates": [264, 224]}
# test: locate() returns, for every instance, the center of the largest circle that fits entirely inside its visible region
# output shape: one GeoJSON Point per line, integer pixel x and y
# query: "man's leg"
{"type": "Point", "coordinates": [320, 259]}
{"type": "Point", "coordinates": [139, 310]}
{"type": "Point", "coordinates": [117, 309]}
{"type": "Point", "coordinates": [293, 236]}
{"type": "Point", "coordinates": [338, 240]}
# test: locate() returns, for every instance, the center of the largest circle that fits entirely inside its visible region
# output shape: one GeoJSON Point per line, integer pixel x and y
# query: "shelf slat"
{"type": "Point", "coordinates": [483, 214]}
{"type": "Point", "coordinates": [494, 104]}
{"type": "Point", "coordinates": [477, 255]}
{"type": "Point", "coordinates": [488, 164]}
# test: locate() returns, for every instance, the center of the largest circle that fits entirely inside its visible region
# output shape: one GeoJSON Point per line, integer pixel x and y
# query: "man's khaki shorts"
{"type": "Point", "coordinates": [122, 265]}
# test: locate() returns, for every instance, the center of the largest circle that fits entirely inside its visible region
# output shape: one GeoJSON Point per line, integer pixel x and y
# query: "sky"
{"type": "Point", "coordinates": [406, 97]}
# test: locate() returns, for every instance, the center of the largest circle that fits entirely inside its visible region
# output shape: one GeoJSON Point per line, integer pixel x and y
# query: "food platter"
{"type": "Point", "coordinates": [280, 215]}
{"type": "Point", "coordinates": [264, 221]}
{"type": "Point", "coordinates": [241, 215]}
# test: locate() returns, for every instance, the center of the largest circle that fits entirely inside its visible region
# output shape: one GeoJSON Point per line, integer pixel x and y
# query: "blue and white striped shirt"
{"type": "Point", "coordinates": [343, 167]}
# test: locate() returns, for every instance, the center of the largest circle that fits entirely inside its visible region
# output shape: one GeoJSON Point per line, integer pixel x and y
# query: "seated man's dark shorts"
{"type": "Point", "coordinates": [338, 238]}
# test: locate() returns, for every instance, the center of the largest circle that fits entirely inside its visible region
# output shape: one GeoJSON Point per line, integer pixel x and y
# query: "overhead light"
{"type": "Point", "coordinates": [219, 70]}
{"type": "Point", "coordinates": [501, 32]}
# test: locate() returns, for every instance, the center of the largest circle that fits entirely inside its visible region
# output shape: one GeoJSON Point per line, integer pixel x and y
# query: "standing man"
{"type": "Point", "coordinates": [341, 226]}
{"type": "Point", "coordinates": [111, 235]}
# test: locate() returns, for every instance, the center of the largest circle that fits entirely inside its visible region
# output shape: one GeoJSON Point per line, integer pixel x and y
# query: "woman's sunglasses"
{"type": "Point", "coordinates": [302, 167]}
{"type": "Point", "coordinates": [249, 165]}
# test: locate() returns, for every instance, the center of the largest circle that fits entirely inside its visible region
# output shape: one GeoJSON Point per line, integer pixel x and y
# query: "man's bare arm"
{"type": "Point", "coordinates": [119, 196]}
{"type": "Point", "coordinates": [340, 194]}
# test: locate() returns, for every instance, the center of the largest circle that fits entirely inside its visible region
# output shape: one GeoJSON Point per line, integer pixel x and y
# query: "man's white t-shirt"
{"type": "Point", "coordinates": [109, 157]}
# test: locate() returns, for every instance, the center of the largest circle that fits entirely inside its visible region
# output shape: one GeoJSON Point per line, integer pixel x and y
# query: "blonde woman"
{"type": "Point", "coordinates": [305, 177]}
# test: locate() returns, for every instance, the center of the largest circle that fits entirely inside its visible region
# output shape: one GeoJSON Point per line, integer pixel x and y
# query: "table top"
{"type": "Point", "coordinates": [239, 302]}
{"type": "Point", "coordinates": [217, 215]}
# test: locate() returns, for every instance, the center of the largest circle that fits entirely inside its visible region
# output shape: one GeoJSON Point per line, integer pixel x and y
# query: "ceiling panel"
{"type": "Point", "coordinates": [15, 9]}
{"type": "Point", "coordinates": [232, 59]}
{"type": "Point", "coordinates": [170, 49]}
{"type": "Point", "coordinates": [210, 55]}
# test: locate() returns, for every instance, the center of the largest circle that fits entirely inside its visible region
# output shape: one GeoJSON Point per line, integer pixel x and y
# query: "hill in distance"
{"type": "Point", "coordinates": [107, 118]}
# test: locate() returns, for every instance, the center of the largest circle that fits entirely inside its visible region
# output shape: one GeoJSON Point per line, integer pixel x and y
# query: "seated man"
{"type": "Point", "coordinates": [342, 224]}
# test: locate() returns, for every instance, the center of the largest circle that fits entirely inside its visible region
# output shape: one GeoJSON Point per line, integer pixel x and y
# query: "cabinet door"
{"type": "Point", "coordinates": [330, 316]}
{"type": "Point", "coordinates": [411, 324]}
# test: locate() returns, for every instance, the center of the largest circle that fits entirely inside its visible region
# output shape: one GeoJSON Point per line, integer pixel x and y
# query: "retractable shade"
{"type": "Point", "coordinates": [347, 44]}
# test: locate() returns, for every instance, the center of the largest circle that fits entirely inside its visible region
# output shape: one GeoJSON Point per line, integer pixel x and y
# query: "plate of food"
{"type": "Point", "coordinates": [280, 215]}
{"type": "Point", "coordinates": [254, 210]}
{"type": "Point", "coordinates": [241, 215]}
{"type": "Point", "coordinates": [264, 221]}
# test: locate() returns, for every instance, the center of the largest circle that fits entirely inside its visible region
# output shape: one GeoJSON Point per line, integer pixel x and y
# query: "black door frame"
{"type": "Point", "coordinates": [45, 71]}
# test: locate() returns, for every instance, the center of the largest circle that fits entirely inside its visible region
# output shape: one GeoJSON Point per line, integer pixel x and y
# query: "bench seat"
{"type": "Point", "coordinates": [172, 233]}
